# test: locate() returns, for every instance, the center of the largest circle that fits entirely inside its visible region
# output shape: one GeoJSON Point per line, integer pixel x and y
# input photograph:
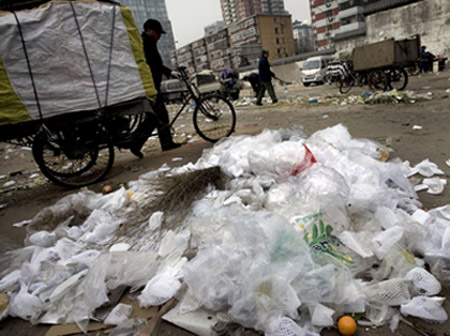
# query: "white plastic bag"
{"type": "Point", "coordinates": [429, 308]}
{"type": "Point", "coordinates": [424, 281]}
{"type": "Point", "coordinates": [119, 314]}
{"type": "Point", "coordinates": [384, 240]}
{"type": "Point", "coordinates": [159, 290]}
{"type": "Point", "coordinates": [285, 327]}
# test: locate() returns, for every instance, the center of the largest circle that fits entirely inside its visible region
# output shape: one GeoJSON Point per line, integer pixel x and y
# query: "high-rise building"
{"type": "Point", "coordinates": [154, 9]}
{"type": "Point", "coordinates": [303, 37]}
{"type": "Point", "coordinates": [237, 10]}
{"type": "Point", "coordinates": [333, 18]}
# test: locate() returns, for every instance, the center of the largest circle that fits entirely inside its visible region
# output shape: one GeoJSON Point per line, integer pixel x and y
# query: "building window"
{"type": "Point", "coordinates": [329, 13]}
{"type": "Point", "coordinates": [278, 41]}
{"type": "Point", "coordinates": [329, 27]}
{"type": "Point", "coordinates": [276, 30]}
{"type": "Point", "coordinates": [274, 20]}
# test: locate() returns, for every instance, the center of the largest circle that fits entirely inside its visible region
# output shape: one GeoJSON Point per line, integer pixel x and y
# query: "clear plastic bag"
{"type": "Point", "coordinates": [322, 316]}
{"type": "Point", "coordinates": [425, 283]}
{"type": "Point", "coordinates": [429, 308]}
{"type": "Point", "coordinates": [119, 314]}
{"type": "Point", "coordinates": [285, 327]}
{"type": "Point", "coordinates": [159, 290]}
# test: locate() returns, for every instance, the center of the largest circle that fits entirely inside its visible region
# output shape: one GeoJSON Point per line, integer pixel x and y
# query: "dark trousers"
{"type": "Point", "coordinates": [262, 90]}
{"type": "Point", "coordinates": [159, 119]}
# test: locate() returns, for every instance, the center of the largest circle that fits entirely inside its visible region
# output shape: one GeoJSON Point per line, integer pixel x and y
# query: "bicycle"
{"type": "Point", "coordinates": [79, 151]}
{"type": "Point", "coordinates": [214, 116]}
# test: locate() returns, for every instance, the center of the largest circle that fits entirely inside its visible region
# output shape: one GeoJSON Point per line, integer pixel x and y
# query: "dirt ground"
{"type": "Point", "coordinates": [390, 124]}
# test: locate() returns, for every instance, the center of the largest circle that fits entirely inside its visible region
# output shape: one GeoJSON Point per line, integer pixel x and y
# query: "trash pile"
{"type": "Point", "coordinates": [379, 97]}
{"type": "Point", "coordinates": [279, 232]}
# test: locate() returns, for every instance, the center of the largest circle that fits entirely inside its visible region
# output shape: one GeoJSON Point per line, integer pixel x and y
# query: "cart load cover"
{"type": "Point", "coordinates": [64, 57]}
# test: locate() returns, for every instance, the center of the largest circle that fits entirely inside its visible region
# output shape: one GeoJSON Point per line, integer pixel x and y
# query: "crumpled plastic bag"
{"type": "Point", "coordinates": [119, 314]}
{"type": "Point", "coordinates": [428, 308]}
{"type": "Point", "coordinates": [159, 290]}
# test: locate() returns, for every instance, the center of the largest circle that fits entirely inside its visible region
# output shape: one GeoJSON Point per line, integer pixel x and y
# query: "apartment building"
{"type": "Point", "coordinates": [155, 9]}
{"type": "Point", "coordinates": [303, 37]}
{"type": "Point", "coordinates": [218, 48]}
{"type": "Point", "coordinates": [185, 57]}
{"type": "Point", "coordinates": [237, 10]}
{"type": "Point", "coordinates": [200, 54]}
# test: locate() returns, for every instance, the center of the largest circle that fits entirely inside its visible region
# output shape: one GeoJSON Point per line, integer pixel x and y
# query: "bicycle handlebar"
{"type": "Point", "coordinates": [182, 70]}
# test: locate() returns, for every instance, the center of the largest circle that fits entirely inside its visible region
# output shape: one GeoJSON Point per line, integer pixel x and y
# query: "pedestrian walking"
{"type": "Point", "coordinates": [265, 78]}
{"type": "Point", "coordinates": [150, 37]}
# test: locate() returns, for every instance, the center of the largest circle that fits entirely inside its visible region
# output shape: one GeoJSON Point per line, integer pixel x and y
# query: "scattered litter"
{"type": "Point", "coordinates": [33, 176]}
{"type": "Point", "coordinates": [325, 116]}
{"type": "Point", "coordinates": [367, 95]}
{"type": "Point", "coordinates": [447, 162]}
{"type": "Point", "coordinates": [448, 90]}
{"type": "Point", "coordinates": [176, 159]}
{"type": "Point", "coordinates": [2, 177]}
{"type": "Point", "coordinates": [260, 231]}
{"type": "Point", "coordinates": [119, 314]}
{"type": "Point", "coordinates": [22, 223]}
{"type": "Point", "coordinates": [9, 184]}
{"type": "Point", "coordinates": [434, 186]}
{"type": "Point", "coordinates": [429, 308]}
{"type": "Point", "coordinates": [425, 168]}
{"type": "Point", "coordinates": [417, 127]}
{"type": "Point", "coordinates": [4, 205]}
{"type": "Point", "coordinates": [313, 101]}
{"type": "Point", "coordinates": [15, 173]}
{"type": "Point", "coordinates": [4, 305]}
{"type": "Point", "coordinates": [119, 247]}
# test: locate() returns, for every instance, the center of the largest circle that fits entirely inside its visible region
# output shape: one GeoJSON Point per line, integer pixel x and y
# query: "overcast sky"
{"type": "Point", "coordinates": [190, 17]}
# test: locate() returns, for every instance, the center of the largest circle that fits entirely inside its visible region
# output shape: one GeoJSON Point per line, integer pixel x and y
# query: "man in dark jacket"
{"type": "Point", "coordinates": [253, 79]}
{"type": "Point", "coordinates": [265, 78]}
{"type": "Point", "coordinates": [150, 37]}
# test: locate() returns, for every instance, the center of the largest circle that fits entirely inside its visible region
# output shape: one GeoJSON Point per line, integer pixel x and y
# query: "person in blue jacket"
{"type": "Point", "coordinates": [265, 79]}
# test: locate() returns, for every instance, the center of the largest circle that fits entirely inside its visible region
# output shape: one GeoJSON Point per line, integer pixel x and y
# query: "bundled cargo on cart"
{"type": "Point", "coordinates": [65, 62]}
{"type": "Point", "coordinates": [381, 65]}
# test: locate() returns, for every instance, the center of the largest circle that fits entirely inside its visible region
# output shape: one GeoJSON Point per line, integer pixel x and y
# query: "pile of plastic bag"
{"type": "Point", "coordinates": [306, 229]}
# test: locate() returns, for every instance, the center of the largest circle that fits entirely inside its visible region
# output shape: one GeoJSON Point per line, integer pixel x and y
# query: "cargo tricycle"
{"type": "Point", "coordinates": [74, 84]}
{"type": "Point", "coordinates": [381, 65]}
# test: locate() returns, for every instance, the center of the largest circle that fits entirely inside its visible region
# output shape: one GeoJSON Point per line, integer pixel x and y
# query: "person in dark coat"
{"type": "Point", "coordinates": [150, 37]}
{"type": "Point", "coordinates": [253, 79]}
{"type": "Point", "coordinates": [265, 78]}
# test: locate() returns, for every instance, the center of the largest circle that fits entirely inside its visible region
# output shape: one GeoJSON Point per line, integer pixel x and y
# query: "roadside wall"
{"type": "Point", "coordinates": [429, 18]}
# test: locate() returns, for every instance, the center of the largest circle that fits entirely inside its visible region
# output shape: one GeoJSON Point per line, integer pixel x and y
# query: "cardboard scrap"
{"type": "Point", "coordinates": [72, 328]}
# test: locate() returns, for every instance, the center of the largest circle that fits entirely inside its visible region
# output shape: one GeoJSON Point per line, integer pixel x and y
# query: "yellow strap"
{"type": "Point", "coordinates": [11, 108]}
{"type": "Point", "coordinates": [138, 51]}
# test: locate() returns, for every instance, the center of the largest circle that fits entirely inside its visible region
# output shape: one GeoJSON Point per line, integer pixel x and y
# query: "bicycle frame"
{"type": "Point", "coordinates": [191, 93]}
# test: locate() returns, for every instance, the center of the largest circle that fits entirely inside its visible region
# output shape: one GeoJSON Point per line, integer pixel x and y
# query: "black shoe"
{"type": "Point", "coordinates": [170, 146]}
{"type": "Point", "coordinates": [259, 104]}
{"type": "Point", "coordinates": [136, 151]}
{"type": "Point", "coordinates": [275, 101]}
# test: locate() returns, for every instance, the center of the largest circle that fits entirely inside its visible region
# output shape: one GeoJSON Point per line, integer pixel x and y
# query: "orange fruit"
{"type": "Point", "coordinates": [346, 326]}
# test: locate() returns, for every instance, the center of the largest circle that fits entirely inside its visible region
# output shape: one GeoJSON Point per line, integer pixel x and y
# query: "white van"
{"type": "Point", "coordinates": [314, 69]}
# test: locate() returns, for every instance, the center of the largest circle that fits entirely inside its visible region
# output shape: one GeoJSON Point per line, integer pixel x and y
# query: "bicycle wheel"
{"type": "Point", "coordinates": [346, 84]}
{"type": "Point", "coordinates": [74, 157]}
{"type": "Point", "coordinates": [378, 80]}
{"type": "Point", "coordinates": [398, 79]}
{"type": "Point", "coordinates": [214, 118]}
